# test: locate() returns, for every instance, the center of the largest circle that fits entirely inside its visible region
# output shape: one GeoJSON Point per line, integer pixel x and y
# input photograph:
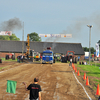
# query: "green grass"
{"type": "Point", "coordinates": [91, 70]}
{"type": "Point", "coordinates": [94, 88]}
{"type": "Point", "coordinates": [97, 84]}
{"type": "Point", "coordinates": [3, 59]}
{"type": "Point", "coordinates": [97, 80]}
{"type": "Point", "coordinates": [81, 73]}
{"type": "Point", "coordinates": [96, 64]}
{"type": "Point", "coordinates": [57, 61]}
{"type": "Point", "coordinates": [2, 67]}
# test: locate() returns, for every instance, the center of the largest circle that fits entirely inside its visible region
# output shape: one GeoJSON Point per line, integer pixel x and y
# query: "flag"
{"type": "Point", "coordinates": [11, 86]}
{"type": "Point", "coordinates": [97, 50]}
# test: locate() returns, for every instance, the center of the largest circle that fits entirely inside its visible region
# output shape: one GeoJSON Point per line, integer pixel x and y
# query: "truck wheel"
{"type": "Point", "coordinates": [54, 61]}
{"type": "Point", "coordinates": [76, 60]}
{"type": "Point", "coordinates": [73, 60]}
{"type": "Point", "coordinates": [0, 60]}
{"type": "Point", "coordinates": [13, 57]}
{"type": "Point", "coordinates": [6, 57]}
{"type": "Point", "coordinates": [42, 63]}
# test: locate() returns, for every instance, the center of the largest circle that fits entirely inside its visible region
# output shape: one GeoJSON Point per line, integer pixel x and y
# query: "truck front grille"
{"type": "Point", "coordinates": [47, 58]}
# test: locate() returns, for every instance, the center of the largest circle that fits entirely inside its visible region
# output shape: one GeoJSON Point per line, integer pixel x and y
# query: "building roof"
{"type": "Point", "coordinates": [16, 47]}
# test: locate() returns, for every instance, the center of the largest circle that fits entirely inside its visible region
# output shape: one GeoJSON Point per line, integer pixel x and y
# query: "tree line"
{"type": "Point", "coordinates": [87, 49]}
{"type": "Point", "coordinates": [92, 49]}
{"type": "Point", "coordinates": [33, 37]}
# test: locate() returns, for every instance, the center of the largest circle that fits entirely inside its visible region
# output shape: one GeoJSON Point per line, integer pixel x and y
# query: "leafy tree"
{"type": "Point", "coordinates": [87, 49]}
{"type": "Point", "coordinates": [92, 50]}
{"type": "Point", "coordinates": [34, 37]}
{"type": "Point", "coordinates": [98, 42]}
{"type": "Point", "coordinates": [11, 37]}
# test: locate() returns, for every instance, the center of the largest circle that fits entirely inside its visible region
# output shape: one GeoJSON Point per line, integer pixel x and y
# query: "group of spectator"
{"type": "Point", "coordinates": [83, 63]}
{"type": "Point", "coordinates": [20, 58]}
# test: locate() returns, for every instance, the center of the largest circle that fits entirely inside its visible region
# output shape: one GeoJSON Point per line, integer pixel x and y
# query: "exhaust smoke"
{"type": "Point", "coordinates": [11, 25]}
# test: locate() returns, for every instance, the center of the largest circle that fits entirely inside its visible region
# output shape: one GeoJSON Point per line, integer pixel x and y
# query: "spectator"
{"type": "Point", "coordinates": [80, 62]}
{"type": "Point", "coordinates": [84, 62]}
{"type": "Point", "coordinates": [18, 58]}
{"type": "Point", "coordinates": [35, 90]}
{"type": "Point", "coordinates": [22, 58]}
{"type": "Point", "coordinates": [70, 61]}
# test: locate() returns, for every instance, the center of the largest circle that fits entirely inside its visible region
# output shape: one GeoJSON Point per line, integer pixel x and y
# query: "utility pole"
{"type": "Point", "coordinates": [23, 40]}
{"type": "Point", "coordinates": [90, 26]}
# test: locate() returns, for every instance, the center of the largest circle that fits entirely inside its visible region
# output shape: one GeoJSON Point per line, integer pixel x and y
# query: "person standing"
{"type": "Point", "coordinates": [70, 61]}
{"type": "Point", "coordinates": [22, 58]}
{"type": "Point", "coordinates": [35, 90]}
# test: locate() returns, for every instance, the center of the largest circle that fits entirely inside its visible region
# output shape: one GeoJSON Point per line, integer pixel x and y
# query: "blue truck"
{"type": "Point", "coordinates": [47, 56]}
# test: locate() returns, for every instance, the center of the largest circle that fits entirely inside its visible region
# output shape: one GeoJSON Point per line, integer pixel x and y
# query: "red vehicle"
{"type": "Point", "coordinates": [68, 56]}
{"type": "Point", "coordinates": [71, 54]}
{"type": "Point", "coordinates": [10, 56]}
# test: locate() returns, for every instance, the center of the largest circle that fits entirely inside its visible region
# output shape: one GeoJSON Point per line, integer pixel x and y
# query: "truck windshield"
{"type": "Point", "coordinates": [70, 53]}
{"type": "Point", "coordinates": [47, 54]}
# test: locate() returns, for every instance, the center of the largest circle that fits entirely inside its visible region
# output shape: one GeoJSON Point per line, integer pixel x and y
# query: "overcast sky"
{"type": "Point", "coordinates": [54, 17]}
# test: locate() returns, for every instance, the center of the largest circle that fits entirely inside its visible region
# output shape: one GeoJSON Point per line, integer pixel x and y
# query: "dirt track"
{"type": "Point", "coordinates": [57, 82]}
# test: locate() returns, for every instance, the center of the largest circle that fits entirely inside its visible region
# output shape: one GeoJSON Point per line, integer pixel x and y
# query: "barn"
{"type": "Point", "coordinates": [57, 47]}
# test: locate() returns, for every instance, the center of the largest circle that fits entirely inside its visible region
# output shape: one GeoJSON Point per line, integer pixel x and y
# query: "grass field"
{"type": "Point", "coordinates": [3, 59]}
{"type": "Point", "coordinates": [91, 70]}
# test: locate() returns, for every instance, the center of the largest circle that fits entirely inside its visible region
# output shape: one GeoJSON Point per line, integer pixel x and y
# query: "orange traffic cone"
{"type": "Point", "coordinates": [84, 78]}
{"type": "Point", "coordinates": [87, 81]}
{"type": "Point", "coordinates": [98, 92]}
{"type": "Point", "coordinates": [78, 73]}
{"type": "Point", "coordinates": [75, 69]}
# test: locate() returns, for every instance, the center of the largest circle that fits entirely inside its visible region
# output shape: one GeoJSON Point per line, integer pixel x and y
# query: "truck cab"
{"type": "Point", "coordinates": [47, 57]}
